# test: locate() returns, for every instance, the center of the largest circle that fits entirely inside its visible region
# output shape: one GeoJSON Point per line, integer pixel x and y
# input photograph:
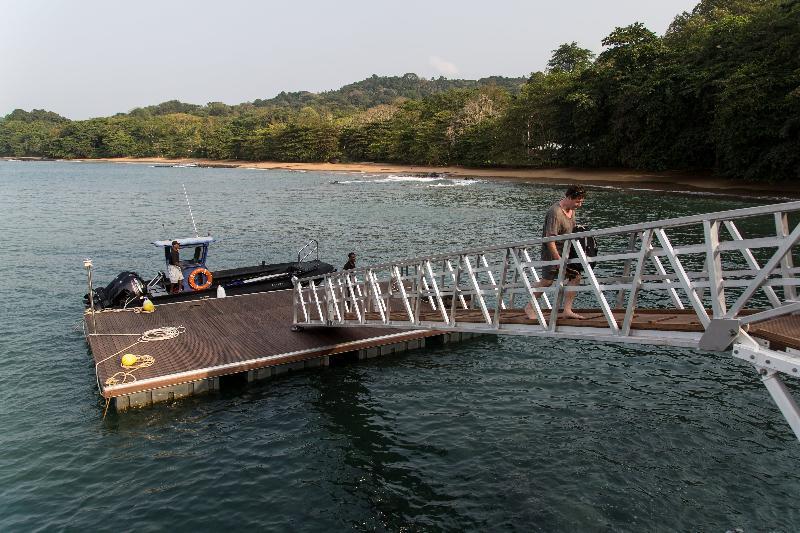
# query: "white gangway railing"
{"type": "Point", "coordinates": [728, 269]}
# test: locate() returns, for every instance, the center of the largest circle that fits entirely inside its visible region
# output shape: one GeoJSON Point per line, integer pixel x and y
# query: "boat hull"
{"type": "Point", "coordinates": [245, 280]}
{"type": "Point", "coordinates": [131, 290]}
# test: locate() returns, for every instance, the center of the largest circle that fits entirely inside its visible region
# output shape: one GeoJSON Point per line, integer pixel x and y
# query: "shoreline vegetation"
{"type": "Point", "coordinates": [623, 178]}
{"type": "Point", "coordinates": [715, 99]}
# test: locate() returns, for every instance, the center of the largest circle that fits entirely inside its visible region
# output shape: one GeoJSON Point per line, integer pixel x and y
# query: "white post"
{"type": "Point", "coordinates": [87, 264]}
{"type": "Point", "coordinates": [782, 398]}
{"type": "Point", "coordinates": [787, 263]}
{"type": "Point", "coordinates": [714, 268]}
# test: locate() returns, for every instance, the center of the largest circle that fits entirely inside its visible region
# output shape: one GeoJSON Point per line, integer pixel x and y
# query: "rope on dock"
{"type": "Point", "coordinates": [142, 361]}
{"type": "Point", "coordinates": [122, 310]}
{"type": "Point", "coordinates": [162, 334]}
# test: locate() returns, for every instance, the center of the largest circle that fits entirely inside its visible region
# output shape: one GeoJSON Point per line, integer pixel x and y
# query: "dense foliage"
{"type": "Point", "coordinates": [720, 90]}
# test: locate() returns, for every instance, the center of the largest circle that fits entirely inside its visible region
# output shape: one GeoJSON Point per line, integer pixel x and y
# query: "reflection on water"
{"type": "Point", "coordinates": [376, 455]}
{"type": "Point", "coordinates": [490, 434]}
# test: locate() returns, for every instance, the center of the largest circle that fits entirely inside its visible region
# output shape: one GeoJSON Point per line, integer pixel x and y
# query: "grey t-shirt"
{"type": "Point", "coordinates": [556, 223]}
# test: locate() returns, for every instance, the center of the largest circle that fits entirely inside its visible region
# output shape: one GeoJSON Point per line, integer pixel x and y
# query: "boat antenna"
{"type": "Point", "coordinates": [190, 210]}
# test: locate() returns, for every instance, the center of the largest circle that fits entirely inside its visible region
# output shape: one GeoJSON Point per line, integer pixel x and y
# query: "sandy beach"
{"type": "Point", "coordinates": [675, 181]}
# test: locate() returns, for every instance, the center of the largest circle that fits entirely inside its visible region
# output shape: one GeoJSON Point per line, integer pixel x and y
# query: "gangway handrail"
{"type": "Point", "coordinates": [716, 279]}
{"type": "Point", "coordinates": [605, 232]}
{"type": "Point", "coordinates": [313, 248]}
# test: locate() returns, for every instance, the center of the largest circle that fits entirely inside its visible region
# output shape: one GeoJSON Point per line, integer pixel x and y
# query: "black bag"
{"type": "Point", "coordinates": [589, 245]}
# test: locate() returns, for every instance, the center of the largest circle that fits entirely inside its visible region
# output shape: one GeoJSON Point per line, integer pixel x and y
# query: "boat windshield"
{"type": "Point", "coordinates": [191, 255]}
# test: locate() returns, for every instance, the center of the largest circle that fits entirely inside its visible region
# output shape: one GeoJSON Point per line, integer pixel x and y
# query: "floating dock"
{"type": "Point", "coordinates": [717, 293]}
{"type": "Point", "coordinates": [249, 335]}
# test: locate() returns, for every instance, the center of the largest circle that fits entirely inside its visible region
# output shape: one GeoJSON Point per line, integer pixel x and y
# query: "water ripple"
{"type": "Point", "coordinates": [490, 434]}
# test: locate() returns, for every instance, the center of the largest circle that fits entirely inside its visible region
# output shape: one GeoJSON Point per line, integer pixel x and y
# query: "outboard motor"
{"type": "Point", "coordinates": [125, 287]}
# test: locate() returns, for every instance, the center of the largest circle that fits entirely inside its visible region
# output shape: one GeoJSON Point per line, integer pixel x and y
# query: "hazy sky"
{"type": "Point", "coordinates": [87, 58]}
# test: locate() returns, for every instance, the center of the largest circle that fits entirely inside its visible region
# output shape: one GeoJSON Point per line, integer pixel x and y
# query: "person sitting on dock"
{"type": "Point", "coordinates": [351, 261]}
{"type": "Point", "coordinates": [174, 272]}
{"type": "Point", "coordinates": [560, 220]}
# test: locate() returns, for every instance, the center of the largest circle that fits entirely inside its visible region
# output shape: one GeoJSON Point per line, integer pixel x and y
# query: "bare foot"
{"type": "Point", "coordinates": [529, 312]}
{"type": "Point", "coordinates": [572, 314]}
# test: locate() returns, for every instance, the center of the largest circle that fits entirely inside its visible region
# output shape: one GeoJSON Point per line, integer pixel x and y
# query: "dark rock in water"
{"type": "Point", "coordinates": [216, 165]}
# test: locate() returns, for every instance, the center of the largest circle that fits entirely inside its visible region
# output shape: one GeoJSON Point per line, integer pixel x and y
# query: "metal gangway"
{"type": "Point", "coordinates": [719, 281]}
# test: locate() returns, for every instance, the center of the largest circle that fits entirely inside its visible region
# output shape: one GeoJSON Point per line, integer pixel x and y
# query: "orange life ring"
{"type": "Point", "coordinates": [193, 279]}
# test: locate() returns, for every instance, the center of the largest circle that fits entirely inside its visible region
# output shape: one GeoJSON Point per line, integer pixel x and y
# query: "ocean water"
{"type": "Point", "coordinates": [492, 434]}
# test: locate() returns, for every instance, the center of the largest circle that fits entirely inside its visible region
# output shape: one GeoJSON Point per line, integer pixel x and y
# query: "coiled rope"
{"type": "Point", "coordinates": [142, 361]}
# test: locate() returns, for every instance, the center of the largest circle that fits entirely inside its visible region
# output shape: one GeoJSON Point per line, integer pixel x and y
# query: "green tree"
{"type": "Point", "coordinates": [570, 58]}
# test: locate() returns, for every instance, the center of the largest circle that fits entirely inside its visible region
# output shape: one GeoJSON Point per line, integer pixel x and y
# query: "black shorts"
{"type": "Point", "coordinates": [551, 273]}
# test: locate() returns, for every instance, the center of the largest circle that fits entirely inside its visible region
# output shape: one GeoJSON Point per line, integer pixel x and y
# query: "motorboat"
{"type": "Point", "coordinates": [129, 289]}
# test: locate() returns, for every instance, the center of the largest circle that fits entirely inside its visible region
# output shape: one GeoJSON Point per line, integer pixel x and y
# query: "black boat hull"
{"type": "Point", "coordinates": [236, 281]}
{"type": "Point", "coordinates": [128, 290]}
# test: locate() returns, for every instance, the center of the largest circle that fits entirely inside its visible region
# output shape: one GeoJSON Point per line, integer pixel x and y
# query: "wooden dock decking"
{"type": "Point", "coordinates": [252, 332]}
{"type": "Point", "coordinates": [222, 336]}
{"type": "Point", "coordinates": [648, 319]}
{"type": "Point", "coordinates": [782, 332]}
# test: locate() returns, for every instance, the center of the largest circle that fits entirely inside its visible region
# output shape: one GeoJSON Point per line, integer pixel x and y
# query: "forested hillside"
{"type": "Point", "coordinates": [720, 91]}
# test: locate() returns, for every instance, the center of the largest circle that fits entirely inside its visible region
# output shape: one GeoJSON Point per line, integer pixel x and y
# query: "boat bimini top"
{"type": "Point", "coordinates": [190, 241]}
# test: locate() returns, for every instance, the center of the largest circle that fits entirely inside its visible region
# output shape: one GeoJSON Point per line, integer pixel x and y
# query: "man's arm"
{"type": "Point", "coordinates": [553, 250]}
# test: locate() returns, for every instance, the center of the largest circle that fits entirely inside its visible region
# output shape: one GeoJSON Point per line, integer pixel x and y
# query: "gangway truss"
{"type": "Point", "coordinates": [719, 281]}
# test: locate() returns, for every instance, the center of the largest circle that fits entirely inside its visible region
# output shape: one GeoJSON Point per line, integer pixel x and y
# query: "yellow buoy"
{"type": "Point", "coordinates": [147, 306]}
{"type": "Point", "coordinates": [129, 359]}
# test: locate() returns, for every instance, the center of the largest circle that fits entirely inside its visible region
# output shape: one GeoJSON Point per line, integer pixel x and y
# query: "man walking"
{"type": "Point", "coordinates": [560, 220]}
